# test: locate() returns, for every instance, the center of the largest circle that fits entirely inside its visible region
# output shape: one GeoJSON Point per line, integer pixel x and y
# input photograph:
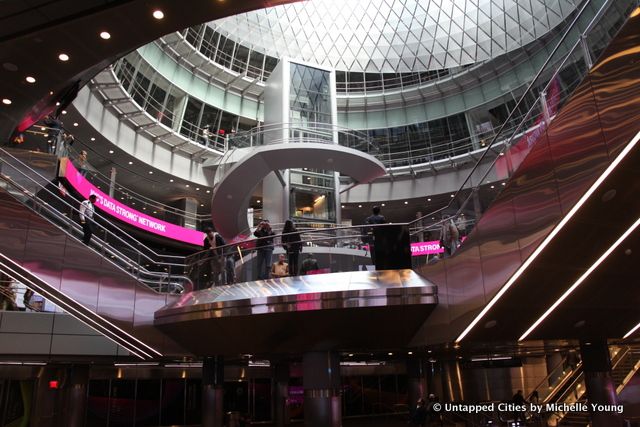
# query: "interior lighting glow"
{"type": "Point", "coordinates": [30, 79]}
{"type": "Point", "coordinates": [110, 151]}
{"type": "Point", "coordinates": [6, 101]}
{"type": "Point", "coordinates": [64, 111]}
{"type": "Point", "coordinates": [582, 278]}
{"type": "Point", "coordinates": [171, 180]}
{"type": "Point", "coordinates": [406, 203]}
{"type": "Point", "coordinates": [130, 163]}
{"type": "Point", "coordinates": [63, 57]}
{"type": "Point", "coordinates": [105, 35]}
{"type": "Point", "coordinates": [551, 236]}
{"type": "Point", "coordinates": [158, 14]}
{"type": "Point", "coordinates": [93, 139]}
{"type": "Point", "coordinates": [150, 172]}
{"type": "Point", "coordinates": [632, 331]}
{"type": "Point", "coordinates": [75, 124]}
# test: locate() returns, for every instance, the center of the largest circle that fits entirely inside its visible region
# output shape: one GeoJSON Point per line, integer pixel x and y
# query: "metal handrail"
{"type": "Point", "coordinates": [73, 209]}
{"type": "Point", "coordinates": [107, 251]}
{"type": "Point", "coordinates": [45, 179]}
{"type": "Point", "coordinates": [531, 85]}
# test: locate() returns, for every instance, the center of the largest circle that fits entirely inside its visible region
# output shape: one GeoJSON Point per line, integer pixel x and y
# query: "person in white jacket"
{"type": "Point", "coordinates": [86, 218]}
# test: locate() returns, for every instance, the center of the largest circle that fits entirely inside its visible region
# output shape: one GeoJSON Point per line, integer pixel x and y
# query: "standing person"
{"type": "Point", "coordinates": [264, 246]}
{"type": "Point", "coordinates": [419, 416]}
{"type": "Point", "coordinates": [375, 218]}
{"type": "Point", "coordinates": [213, 242]}
{"type": "Point", "coordinates": [291, 241]}
{"type": "Point", "coordinates": [280, 268]}
{"type": "Point", "coordinates": [82, 163]}
{"type": "Point", "coordinates": [449, 236]}
{"type": "Point", "coordinates": [86, 218]}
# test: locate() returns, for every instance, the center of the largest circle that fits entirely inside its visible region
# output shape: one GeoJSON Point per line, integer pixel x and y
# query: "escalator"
{"type": "Point", "coordinates": [98, 284]}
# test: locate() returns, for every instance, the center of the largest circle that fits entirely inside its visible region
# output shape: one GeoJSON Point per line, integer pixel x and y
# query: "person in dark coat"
{"type": "Point", "coordinates": [375, 218]}
{"type": "Point", "coordinates": [213, 242]}
{"type": "Point", "coordinates": [264, 247]}
{"type": "Point", "coordinates": [292, 244]}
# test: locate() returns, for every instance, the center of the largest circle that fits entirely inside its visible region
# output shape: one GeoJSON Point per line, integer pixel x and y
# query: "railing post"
{"type": "Point", "coordinates": [586, 51]}
{"type": "Point", "coordinates": [545, 108]}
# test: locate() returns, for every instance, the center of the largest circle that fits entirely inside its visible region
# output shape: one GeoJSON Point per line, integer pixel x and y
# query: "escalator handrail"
{"type": "Point", "coordinates": [521, 100]}
{"type": "Point", "coordinates": [73, 208]}
{"type": "Point", "coordinates": [164, 278]}
{"type": "Point", "coordinates": [69, 222]}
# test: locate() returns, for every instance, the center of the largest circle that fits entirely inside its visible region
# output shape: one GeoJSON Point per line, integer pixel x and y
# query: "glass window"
{"type": "Point", "coordinates": [256, 60]}
{"type": "Point", "coordinates": [240, 59]}
{"type": "Point", "coordinates": [190, 120]}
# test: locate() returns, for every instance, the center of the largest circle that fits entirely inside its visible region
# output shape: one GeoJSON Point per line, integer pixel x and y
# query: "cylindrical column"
{"type": "Point", "coordinates": [321, 382]}
{"type": "Point", "coordinates": [47, 396]}
{"type": "Point", "coordinates": [596, 364]}
{"type": "Point", "coordinates": [281, 394]}
{"type": "Point", "coordinates": [212, 391]}
{"type": "Point", "coordinates": [75, 396]}
{"type": "Point", "coordinates": [416, 382]}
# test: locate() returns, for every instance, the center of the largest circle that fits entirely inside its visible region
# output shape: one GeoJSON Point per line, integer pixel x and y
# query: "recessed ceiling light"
{"type": "Point", "coordinates": [342, 206]}
{"type": "Point", "coordinates": [201, 205]}
{"type": "Point", "coordinates": [75, 124]}
{"type": "Point", "coordinates": [390, 354]}
{"type": "Point", "coordinates": [410, 353]}
{"type": "Point", "coordinates": [258, 200]}
{"type": "Point", "coordinates": [57, 104]}
{"type": "Point", "coordinates": [171, 180]}
{"type": "Point", "coordinates": [158, 14]}
{"type": "Point", "coordinates": [30, 79]}
{"type": "Point", "coordinates": [493, 186]}
{"type": "Point", "coordinates": [93, 139]}
{"type": "Point", "coordinates": [197, 188]}
{"type": "Point", "coordinates": [64, 111]}
{"type": "Point", "coordinates": [208, 191]}
{"type": "Point", "coordinates": [406, 203]}
{"type": "Point", "coordinates": [63, 57]}
{"type": "Point", "coordinates": [130, 163]}
{"type": "Point", "coordinates": [383, 205]}
{"type": "Point", "coordinates": [150, 172]}
{"type": "Point", "coordinates": [187, 185]}
{"type": "Point", "coordinates": [105, 35]}
{"type": "Point", "coordinates": [453, 195]}
{"type": "Point", "coordinates": [110, 151]}
{"type": "Point", "coordinates": [6, 101]}
{"type": "Point", "coordinates": [359, 206]}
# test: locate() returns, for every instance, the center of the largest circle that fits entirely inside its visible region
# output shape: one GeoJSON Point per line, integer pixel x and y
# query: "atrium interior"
{"type": "Point", "coordinates": [319, 212]}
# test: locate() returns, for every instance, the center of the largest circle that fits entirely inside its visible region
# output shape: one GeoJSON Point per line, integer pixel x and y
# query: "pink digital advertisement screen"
{"type": "Point", "coordinates": [124, 213]}
{"type": "Point", "coordinates": [426, 248]}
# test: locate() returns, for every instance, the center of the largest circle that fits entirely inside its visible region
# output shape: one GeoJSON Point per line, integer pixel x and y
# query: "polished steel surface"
{"type": "Point", "coordinates": [587, 134]}
{"type": "Point", "coordinates": [302, 293]}
{"type": "Point", "coordinates": [380, 309]}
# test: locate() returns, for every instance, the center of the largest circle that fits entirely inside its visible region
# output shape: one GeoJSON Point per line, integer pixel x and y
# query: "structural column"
{"type": "Point", "coordinates": [281, 394]}
{"type": "Point", "coordinates": [75, 396]}
{"type": "Point", "coordinates": [212, 391]}
{"type": "Point", "coordinates": [596, 364]}
{"type": "Point", "coordinates": [322, 397]}
{"type": "Point", "coordinates": [416, 382]}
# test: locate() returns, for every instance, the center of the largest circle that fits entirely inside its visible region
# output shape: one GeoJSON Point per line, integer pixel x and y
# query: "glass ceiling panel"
{"type": "Point", "coordinates": [395, 36]}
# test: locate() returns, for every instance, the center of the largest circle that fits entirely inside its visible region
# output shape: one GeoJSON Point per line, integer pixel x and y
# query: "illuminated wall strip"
{"type": "Point", "coordinates": [551, 236]}
{"type": "Point", "coordinates": [582, 278]}
{"type": "Point", "coordinates": [632, 331]}
{"type": "Point", "coordinates": [76, 313]}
